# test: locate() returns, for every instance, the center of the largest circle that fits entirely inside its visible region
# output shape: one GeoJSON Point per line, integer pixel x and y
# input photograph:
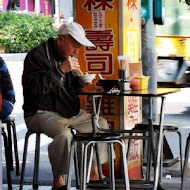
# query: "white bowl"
{"type": "Point", "coordinates": [87, 78]}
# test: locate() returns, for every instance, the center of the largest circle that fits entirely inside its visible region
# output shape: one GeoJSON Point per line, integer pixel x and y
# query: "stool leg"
{"type": "Point", "coordinates": [180, 152]}
{"type": "Point", "coordinates": [36, 162]}
{"type": "Point", "coordinates": [10, 144]}
{"type": "Point", "coordinates": [185, 163]}
{"type": "Point", "coordinates": [111, 166]}
{"type": "Point", "coordinates": [149, 160]}
{"type": "Point", "coordinates": [8, 164]}
{"type": "Point", "coordinates": [72, 152]}
{"type": "Point", "coordinates": [76, 164]}
{"type": "Point", "coordinates": [24, 159]}
{"type": "Point", "coordinates": [147, 154]}
{"type": "Point", "coordinates": [15, 148]}
{"type": "Point", "coordinates": [90, 162]}
{"type": "Point", "coordinates": [83, 167]}
{"type": "Point", "coordinates": [161, 157]}
{"type": "Point", "coordinates": [125, 167]}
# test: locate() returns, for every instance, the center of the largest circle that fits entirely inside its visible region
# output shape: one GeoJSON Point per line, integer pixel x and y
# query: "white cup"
{"type": "Point", "coordinates": [124, 85]}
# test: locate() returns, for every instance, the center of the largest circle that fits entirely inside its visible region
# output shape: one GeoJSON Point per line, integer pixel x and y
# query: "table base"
{"type": "Point", "coordinates": [134, 184]}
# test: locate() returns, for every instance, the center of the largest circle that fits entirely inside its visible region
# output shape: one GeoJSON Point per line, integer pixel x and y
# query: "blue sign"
{"type": "Point", "coordinates": [145, 10]}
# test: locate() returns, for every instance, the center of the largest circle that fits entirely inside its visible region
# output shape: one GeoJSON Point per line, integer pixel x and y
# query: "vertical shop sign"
{"type": "Point", "coordinates": [130, 37]}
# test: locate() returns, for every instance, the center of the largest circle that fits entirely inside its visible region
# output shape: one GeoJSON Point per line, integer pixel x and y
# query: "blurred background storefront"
{"type": "Point", "coordinates": [173, 45]}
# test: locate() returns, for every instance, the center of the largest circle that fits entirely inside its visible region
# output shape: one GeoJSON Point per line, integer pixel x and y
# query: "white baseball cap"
{"type": "Point", "coordinates": [76, 31]}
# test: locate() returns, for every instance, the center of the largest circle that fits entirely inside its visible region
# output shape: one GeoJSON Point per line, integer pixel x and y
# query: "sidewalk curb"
{"type": "Point", "coordinates": [13, 56]}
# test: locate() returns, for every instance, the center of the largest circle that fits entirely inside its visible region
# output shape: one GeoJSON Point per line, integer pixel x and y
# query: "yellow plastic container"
{"type": "Point", "coordinates": [143, 81]}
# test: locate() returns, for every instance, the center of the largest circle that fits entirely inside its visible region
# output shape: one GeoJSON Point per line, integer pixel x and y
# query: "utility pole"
{"type": "Point", "coordinates": [149, 64]}
{"type": "Point", "coordinates": [149, 59]}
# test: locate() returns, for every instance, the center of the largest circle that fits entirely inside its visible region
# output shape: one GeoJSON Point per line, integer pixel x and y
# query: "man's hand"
{"type": "Point", "coordinates": [83, 84]}
{"type": "Point", "coordinates": [69, 64]}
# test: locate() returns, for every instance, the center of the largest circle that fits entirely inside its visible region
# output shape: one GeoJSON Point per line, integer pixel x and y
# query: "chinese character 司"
{"type": "Point", "coordinates": [97, 4]}
{"type": "Point", "coordinates": [100, 62]}
{"type": "Point", "coordinates": [131, 4]}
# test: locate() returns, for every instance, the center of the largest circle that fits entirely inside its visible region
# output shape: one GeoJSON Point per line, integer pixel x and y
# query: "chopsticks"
{"type": "Point", "coordinates": [100, 76]}
{"type": "Point", "coordinates": [123, 65]}
{"type": "Point", "coordinates": [123, 62]}
{"type": "Point", "coordinates": [81, 73]}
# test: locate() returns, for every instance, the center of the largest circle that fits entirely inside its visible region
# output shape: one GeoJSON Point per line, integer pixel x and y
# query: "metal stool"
{"type": "Point", "coordinates": [174, 129]}
{"type": "Point", "coordinates": [36, 160]}
{"type": "Point", "coordinates": [7, 158]}
{"type": "Point", "coordinates": [10, 122]}
{"type": "Point", "coordinates": [86, 141]}
{"type": "Point", "coordinates": [185, 162]}
{"type": "Point", "coordinates": [166, 128]}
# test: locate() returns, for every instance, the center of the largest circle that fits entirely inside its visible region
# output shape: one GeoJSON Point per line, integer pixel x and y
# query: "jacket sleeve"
{"type": "Point", "coordinates": [39, 75]}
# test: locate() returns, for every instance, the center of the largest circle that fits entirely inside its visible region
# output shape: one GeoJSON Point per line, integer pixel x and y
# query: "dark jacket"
{"type": "Point", "coordinates": [45, 87]}
{"type": "Point", "coordinates": [7, 89]}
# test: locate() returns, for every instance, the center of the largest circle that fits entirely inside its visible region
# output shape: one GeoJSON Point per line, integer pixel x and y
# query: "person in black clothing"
{"type": "Point", "coordinates": [50, 102]}
{"type": "Point", "coordinates": [7, 90]}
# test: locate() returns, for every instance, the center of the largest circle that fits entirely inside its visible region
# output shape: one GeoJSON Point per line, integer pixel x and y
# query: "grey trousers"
{"type": "Point", "coordinates": [55, 126]}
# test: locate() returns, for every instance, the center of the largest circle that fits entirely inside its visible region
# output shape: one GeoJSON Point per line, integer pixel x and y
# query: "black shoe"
{"type": "Point", "coordinates": [63, 187]}
{"type": "Point", "coordinates": [105, 180]}
{"type": "Point", "coordinates": [99, 184]}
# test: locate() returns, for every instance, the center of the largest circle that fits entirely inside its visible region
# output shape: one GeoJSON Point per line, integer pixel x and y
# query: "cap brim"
{"type": "Point", "coordinates": [84, 41]}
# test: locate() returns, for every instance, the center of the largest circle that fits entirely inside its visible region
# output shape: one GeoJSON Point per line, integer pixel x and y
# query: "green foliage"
{"type": "Point", "coordinates": [21, 32]}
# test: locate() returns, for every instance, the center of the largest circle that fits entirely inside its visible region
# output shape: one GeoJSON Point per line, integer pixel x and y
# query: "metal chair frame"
{"type": "Point", "coordinates": [35, 183]}
{"type": "Point", "coordinates": [36, 160]}
{"type": "Point", "coordinates": [10, 122]}
{"type": "Point", "coordinates": [89, 141]}
{"type": "Point", "coordinates": [7, 158]}
{"type": "Point", "coordinates": [185, 168]}
{"type": "Point", "coordinates": [173, 129]}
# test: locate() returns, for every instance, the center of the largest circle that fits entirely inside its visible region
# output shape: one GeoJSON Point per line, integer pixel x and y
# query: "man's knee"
{"type": "Point", "coordinates": [62, 140]}
{"type": "Point", "coordinates": [103, 123]}
{"type": "Point", "coordinates": [66, 135]}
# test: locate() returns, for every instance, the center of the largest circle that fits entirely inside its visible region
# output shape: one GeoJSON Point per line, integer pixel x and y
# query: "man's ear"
{"type": "Point", "coordinates": [60, 39]}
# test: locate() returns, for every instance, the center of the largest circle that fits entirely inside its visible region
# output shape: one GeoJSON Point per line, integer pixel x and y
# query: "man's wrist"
{"type": "Point", "coordinates": [60, 70]}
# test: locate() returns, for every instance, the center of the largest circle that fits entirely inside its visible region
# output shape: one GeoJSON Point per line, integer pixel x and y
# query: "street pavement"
{"type": "Point", "coordinates": [177, 112]}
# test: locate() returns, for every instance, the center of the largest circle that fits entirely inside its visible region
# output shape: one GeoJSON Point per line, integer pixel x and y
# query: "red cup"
{"type": "Point", "coordinates": [135, 84]}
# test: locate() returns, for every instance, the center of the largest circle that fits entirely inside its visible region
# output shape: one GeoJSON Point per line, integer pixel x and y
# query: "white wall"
{"type": "Point", "coordinates": [66, 8]}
